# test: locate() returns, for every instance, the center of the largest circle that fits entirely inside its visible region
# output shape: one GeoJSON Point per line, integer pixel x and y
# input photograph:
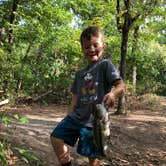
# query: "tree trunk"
{"type": "Point", "coordinates": [8, 83]}
{"type": "Point", "coordinates": [121, 102]}
{"type": "Point", "coordinates": [134, 47]}
{"type": "Point", "coordinates": [134, 80]}
{"type": "Point", "coordinates": [11, 21]}
{"type": "Point", "coordinates": [124, 29]}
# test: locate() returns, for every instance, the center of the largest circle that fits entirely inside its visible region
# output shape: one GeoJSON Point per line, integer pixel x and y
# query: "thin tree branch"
{"type": "Point", "coordinates": [11, 21]}
{"type": "Point", "coordinates": [119, 26]}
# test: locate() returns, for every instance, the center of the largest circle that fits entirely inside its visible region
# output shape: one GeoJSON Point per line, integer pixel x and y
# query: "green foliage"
{"type": "Point", "coordinates": [28, 156]}
{"type": "Point", "coordinates": [6, 119]}
{"type": "Point", "coordinates": [6, 149]}
{"type": "Point", "coordinates": [21, 119]}
{"type": "Point", "coordinates": [46, 49]}
{"type": "Point", "coordinates": [3, 157]}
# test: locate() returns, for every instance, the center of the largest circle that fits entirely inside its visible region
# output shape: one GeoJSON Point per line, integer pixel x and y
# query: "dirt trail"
{"type": "Point", "coordinates": [136, 139]}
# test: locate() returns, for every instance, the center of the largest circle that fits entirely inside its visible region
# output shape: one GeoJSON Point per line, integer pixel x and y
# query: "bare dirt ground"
{"type": "Point", "coordinates": [137, 139]}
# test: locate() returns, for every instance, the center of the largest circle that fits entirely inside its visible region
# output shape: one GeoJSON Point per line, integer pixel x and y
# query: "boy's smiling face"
{"type": "Point", "coordinates": [93, 48]}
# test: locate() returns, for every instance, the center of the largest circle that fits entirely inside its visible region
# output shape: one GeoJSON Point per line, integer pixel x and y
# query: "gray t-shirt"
{"type": "Point", "coordinates": [90, 86]}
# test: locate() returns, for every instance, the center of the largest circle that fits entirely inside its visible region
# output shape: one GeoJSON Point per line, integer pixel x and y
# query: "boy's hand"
{"type": "Point", "coordinates": [109, 99]}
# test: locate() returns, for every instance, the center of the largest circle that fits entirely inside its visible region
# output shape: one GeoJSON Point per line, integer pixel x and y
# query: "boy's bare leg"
{"type": "Point", "coordinates": [94, 162]}
{"type": "Point", "coordinates": [61, 150]}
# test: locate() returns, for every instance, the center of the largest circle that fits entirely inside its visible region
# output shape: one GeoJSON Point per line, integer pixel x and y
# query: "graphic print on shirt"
{"type": "Point", "coordinates": [88, 90]}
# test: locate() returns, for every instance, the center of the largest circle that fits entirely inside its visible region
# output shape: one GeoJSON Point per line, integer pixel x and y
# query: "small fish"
{"type": "Point", "coordinates": [101, 129]}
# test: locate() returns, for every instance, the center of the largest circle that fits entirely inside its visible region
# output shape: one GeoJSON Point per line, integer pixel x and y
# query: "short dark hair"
{"type": "Point", "coordinates": [91, 31]}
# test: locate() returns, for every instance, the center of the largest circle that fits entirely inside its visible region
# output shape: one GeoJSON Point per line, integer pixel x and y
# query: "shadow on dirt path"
{"type": "Point", "coordinates": [136, 139]}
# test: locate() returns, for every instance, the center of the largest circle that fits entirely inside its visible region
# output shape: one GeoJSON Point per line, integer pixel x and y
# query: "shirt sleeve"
{"type": "Point", "coordinates": [112, 74]}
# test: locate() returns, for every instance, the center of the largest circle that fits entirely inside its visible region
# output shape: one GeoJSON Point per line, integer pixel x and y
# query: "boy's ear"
{"type": "Point", "coordinates": [104, 45]}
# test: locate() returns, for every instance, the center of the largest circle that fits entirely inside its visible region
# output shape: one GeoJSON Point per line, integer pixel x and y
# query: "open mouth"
{"type": "Point", "coordinates": [92, 55]}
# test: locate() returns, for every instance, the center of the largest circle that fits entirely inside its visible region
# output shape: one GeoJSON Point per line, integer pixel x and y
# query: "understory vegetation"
{"type": "Point", "coordinates": [40, 52]}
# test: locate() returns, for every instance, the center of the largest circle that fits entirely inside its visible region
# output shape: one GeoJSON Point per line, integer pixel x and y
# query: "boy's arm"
{"type": "Point", "coordinates": [73, 103]}
{"type": "Point", "coordinates": [109, 98]}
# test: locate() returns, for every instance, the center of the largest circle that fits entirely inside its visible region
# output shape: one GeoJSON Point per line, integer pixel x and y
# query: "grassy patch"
{"type": "Point", "coordinates": [147, 101]}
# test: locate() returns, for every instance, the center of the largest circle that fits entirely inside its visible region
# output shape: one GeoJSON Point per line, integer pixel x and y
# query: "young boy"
{"type": "Point", "coordinates": [91, 85]}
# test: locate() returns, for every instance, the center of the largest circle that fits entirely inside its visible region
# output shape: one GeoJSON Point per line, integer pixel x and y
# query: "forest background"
{"type": "Point", "coordinates": [40, 49]}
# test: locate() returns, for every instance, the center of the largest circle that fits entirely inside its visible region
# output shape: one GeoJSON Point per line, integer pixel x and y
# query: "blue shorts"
{"type": "Point", "coordinates": [70, 132]}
